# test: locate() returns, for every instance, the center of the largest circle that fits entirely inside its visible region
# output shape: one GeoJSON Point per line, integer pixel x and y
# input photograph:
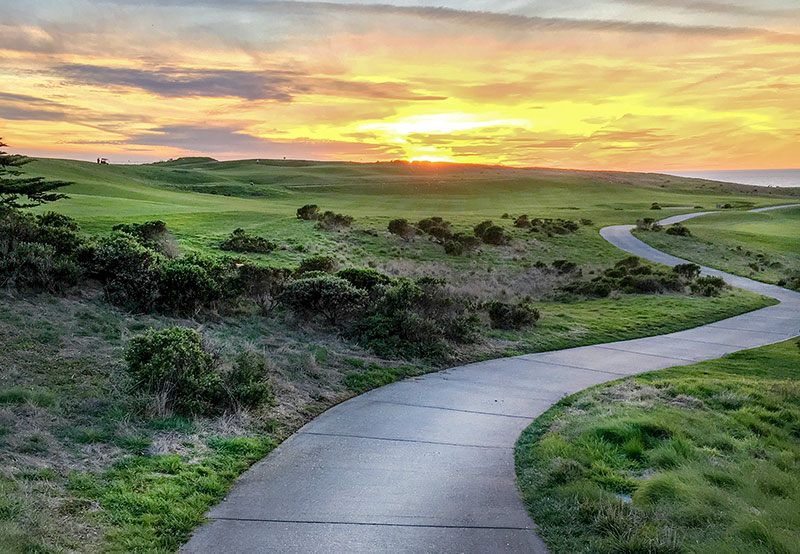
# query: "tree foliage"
{"type": "Point", "coordinates": [18, 191]}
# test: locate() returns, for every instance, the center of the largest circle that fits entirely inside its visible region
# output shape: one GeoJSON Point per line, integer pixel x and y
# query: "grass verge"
{"type": "Point", "coordinates": [700, 458]}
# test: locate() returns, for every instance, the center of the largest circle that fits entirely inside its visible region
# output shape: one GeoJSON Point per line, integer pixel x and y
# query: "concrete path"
{"type": "Point", "coordinates": [427, 464]}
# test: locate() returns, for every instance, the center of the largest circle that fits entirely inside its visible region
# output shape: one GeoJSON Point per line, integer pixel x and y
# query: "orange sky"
{"type": "Point", "coordinates": [622, 84]}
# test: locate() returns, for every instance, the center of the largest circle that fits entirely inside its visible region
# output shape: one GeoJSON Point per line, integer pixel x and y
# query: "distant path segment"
{"type": "Point", "coordinates": [427, 464]}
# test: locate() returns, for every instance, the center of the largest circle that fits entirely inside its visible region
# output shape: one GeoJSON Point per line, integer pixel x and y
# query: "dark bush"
{"type": "Point", "coordinates": [151, 234]}
{"type": "Point", "coordinates": [364, 279]}
{"type": "Point", "coordinates": [687, 271]}
{"type": "Point", "coordinates": [679, 230]}
{"type": "Point", "coordinates": [441, 234]}
{"type": "Point", "coordinates": [35, 266]}
{"type": "Point", "coordinates": [655, 206]}
{"type": "Point", "coordinates": [494, 235]}
{"type": "Point", "coordinates": [647, 224]}
{"type": "Point", "coordinates": [512, 316]}
{"type": "Point", "coordinates": [129, 271]}
{"type": "Point", "coordinates": [586, 222]}
{"type": "Point", "coordinates": [480, 228]}
{"type": "Point", "coordinates": [453, 247]}
{"type": "Point", "coordinates": [248, 382]}
{"type": "Point", "coordinates": [505, 216]}
{"type": "Point", "coordinates": [553, 226]}
{"type": "Point", "coordinates": [565, 266]}
{"type": "Point", "coordinates": [522, 222]}
{"type": "Point", "coordinates": [325, 264]}
{"type": "Point", "coordinates": [56, 230]}
{"type": "Point", "coordinates": [402, 228]}
{"type": "Point", "coordinates": [262, 284]}
{"type": "Point", "coordinates": [708, 286]}
{"type": "Point", "coordinates": [330, 221]}
{"type": "Point", "coordinates": [333, 298]}
{"type": "Point", "coordinates": [308, 212]}
{"type": "Point", "coordinates": [467, 241]}
{"type": "Point", "coordinates": [173, 366]}
{"type": "Point", "coordinates": [416, 320]}
{"type": "Point", "coordinates": [185, 287]}
{"type": "Point", "coordinates": [240, 241]}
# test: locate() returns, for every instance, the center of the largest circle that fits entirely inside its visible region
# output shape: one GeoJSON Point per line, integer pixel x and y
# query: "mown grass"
{"type": "Point", "coordinates": [762, 246]}
{"type": "Point", "coordinates": [700, 458]}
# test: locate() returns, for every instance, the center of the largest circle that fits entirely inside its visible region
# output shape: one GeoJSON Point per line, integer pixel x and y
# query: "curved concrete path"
{"type": "Point", "coordinates": [427, 464]}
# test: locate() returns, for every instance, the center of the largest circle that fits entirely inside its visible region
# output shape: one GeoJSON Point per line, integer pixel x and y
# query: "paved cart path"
{"type": "Point", "coordinates": [427, 464]}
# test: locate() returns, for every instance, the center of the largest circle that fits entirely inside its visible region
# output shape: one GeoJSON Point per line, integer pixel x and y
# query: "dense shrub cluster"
{"type": "Point", "coordinates": [552, 227]}
{"type": "Point", "coordinates": [240, 241]}
{"type": "Point", "coordinates": [262, 285]}
{"type": "Point", "coordinates": [630, 276]}
{"type": "Point", "coordinates": [329, 296]}
{"type": "Point", "coordinates": [365, 279]}
{"type": "Point", "coordinates": [151, 234]}
{"type": "Point", "coordinates": [512, 316]}
{"type": "Point", "coordinates": [324, 264]}
{"type": "Point", "coordinates": [678, 230]}
{"type": "Point", "coordinates": [490, 233]}
{"type": "Point", "coordinates": [648, 224]}
{"type": "Point", "coordinates": [38, 252]}
{"type": "Point", "coordinates": [175, 368]}
{"type": "Point", "coordinates": [402, 228]}
{"type": "Point", "coordinates": [330, 221]}
{"type": "Point", "coordinates": [327, 221]}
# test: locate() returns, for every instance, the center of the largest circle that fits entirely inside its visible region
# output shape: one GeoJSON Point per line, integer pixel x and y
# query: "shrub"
{"type": "Point", "coordinates": [565, 266]}
{"type": "Point", "coordinates": [522, 222]}
{"type": "Point", "coordinates": [481, 228]}
{"type": "Point", "coordinates": [416, 319]}
{"type": "Point", "coordinates": [467, 241]}
{"type": "Point", "coordinates": [248, 382]}
{"type": "Point", "coordinates": [401, 228]}
{"type": "Point", "coordinates": [655, 206]}
{"type": "Point", "coordinates": [330, 221]}
{"type": "Point", "coordinates": [364, 279]}
{"type": "Point", "coordinates": [512, 316]}
{"type": "Point", "coordinates": [553, 226]}
{"type": "Point", "coordinates": [687, 271]}
{"type": "Point", "coordinates": [679, 230]}
{"type": "Point", "coordinates": [308, 212]}
{"type": "Point", "coordinates": [151, 234]}
{"type": "Point", "coordinates": [185, 287]}
{"type": "Point", "coordinates": [708, 286]}
{"type": "Point", "coordinates": [331, 297]}
{"type": "Point", "coordinates": [128, 270]}
{"type": "Point", "coordinates": [494, 235]}
{"type": "Point", "coordinates": [262, 284]}
{"type": "Point", "coordinates": [586, 222]}
{"type": "Point", "coordinates": [453, 247]}
{"type": "Point", "coordinates": [325, 264]}
{"type": "Point", "coordinates": [35, 266]}
{"type": "Point", "coordinates": [240, 241]}
{"type": "Point", "coordinates": [173, 365]}
{"type": "Point", "coordinates": [51, 229]}
{"type": "Point", "coordinates": [440, 233]}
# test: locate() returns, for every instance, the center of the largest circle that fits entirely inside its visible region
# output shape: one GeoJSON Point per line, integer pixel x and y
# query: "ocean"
{"type": "Point", "coordinates": [760, 177]}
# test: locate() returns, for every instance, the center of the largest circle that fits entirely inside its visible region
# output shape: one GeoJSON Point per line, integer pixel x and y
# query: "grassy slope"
{"type": "Point", "coordinates": [763, 246]}
{"type": "Point", "coordinates": [65, 415]}
{"type": "Point", "coordinates": [709, 454]}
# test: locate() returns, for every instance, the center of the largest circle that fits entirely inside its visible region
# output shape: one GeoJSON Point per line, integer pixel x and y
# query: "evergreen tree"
{"type": "Point", "coordinates": [17, 191]}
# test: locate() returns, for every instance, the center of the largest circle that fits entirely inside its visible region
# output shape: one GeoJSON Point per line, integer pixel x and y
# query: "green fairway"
{"type": "Point", "coordinates": [700, 458]}
{"type": "Point", "coordinates": [763, 246]}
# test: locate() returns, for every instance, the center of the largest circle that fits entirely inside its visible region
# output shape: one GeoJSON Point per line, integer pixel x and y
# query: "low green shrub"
{"type": "Point", "coordinates": [647, 224]}
{"type": "Point", "coordinates": [240, 241]}
{"type": "Point", "coordinates": [308, 212]}
{"type": "Point", "coordinates": [512, 316]}
{"type": "Point", "coordinates": [522, 222]}
{"type": "Point", "coordinates": [708, 286]}
{"type": "Point", "coordinates": [552, 227]}
{"type": "Point", "coordinates": [364, 278]}
{"type": "Point", "coordinates": [262, 284]}
{"type": "Point", "coordinates": [248, 381]}
{"type": "Point", "coordinates": [494, 235]}
{"type": "Point", "coordinates": [333, 298]}
{"type": "Point", "coordinates": [688, 271]}
{"type": "Point", "coordinates": [453, 247]}
{"type": "Point", "coordinates": [325, 264]}
{"type": "Point", "coordinates": [330, 221]}
{"type": "Point", "coordinates": [402, 228]}
{"type": "Point", "coordinates": [35, 266]}
{"type": "Point", "coordinates": [151, 234]}
{"type": "Point", "coordinates": [174, 367]}
{"type": "Point", "coordinates": [185, 287]}
{"type": "Point", "coordinates": [678, 230]}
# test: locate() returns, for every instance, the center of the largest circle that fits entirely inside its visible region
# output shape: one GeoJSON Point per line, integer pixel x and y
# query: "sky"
{"type": "Point", "coordinates": [605, 84]}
